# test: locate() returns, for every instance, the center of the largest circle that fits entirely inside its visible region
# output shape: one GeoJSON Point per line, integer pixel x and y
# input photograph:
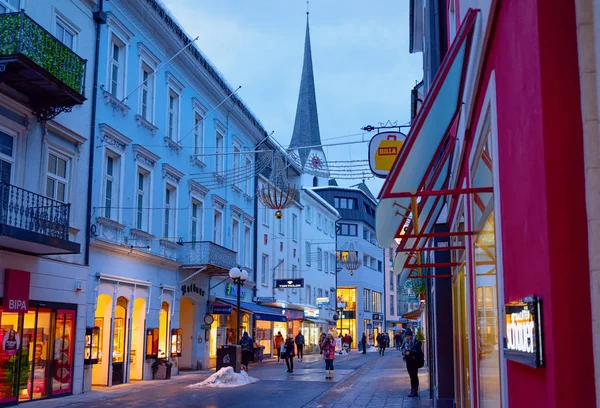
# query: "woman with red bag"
{"type": "Point", "coordinates": [328, 348]}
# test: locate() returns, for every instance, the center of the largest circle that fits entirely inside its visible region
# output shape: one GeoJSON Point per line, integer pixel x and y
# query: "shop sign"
{"type": "Point", "coordinates": [293, 314]}
{"type": "Point", "coordinates": [265, 299]}
{"type": "Point", "coordinates": [313, 313]}
{"type": "Point", "coordinates": [269, 317]}
{"type": "Point", "coordinates": [322, 301]}
{"type": "Point", "coordinates": [524, 335]}
{"type": "Point", "coordinates": [205, 326]}
{"type": "Point", "coordinates": [370, 326]}
{"type": "Point", "coordinates": [377, 316]}
{"type": "Point", "coordinates": [191, 288]}
{"type": "Point", "coordinates": [16, 291]}
{"type": "Point", "coordinates": [289, 283]}
{"type": "Point", "coordinates": [222, 309]}
{"type": "Point", "coordinates": [383, 149]}
{"type": "Point", "coordinates": [231, 291]}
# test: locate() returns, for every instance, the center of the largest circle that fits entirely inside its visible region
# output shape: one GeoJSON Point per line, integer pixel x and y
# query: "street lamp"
{"type": "Point", "coordinates": [238, 276]}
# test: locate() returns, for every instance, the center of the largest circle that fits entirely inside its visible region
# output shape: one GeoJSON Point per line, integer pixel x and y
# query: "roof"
{"type": "Point", "coordinates": [363, 187]}
{"type": "Point", "coordinates": [321, 201]}
{"type": "Point", "coordinates": [306, 125]}
{"type": "Point", "coordinates": [353, 189]}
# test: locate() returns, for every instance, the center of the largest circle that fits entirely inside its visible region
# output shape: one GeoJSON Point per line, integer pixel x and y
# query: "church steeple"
{"type": "Point", "coordinates": [306, 125]}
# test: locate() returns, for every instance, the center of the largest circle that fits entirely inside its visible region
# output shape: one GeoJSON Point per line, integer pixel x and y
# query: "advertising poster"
{"type": "Point", "coordinates": [10, 342]}
{"type": "Point", "coordinates": [38, 353]}
{"type": "Point", "coordinates": [63, 351]}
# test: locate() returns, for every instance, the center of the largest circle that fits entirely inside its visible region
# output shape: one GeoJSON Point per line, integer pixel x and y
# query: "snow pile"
{"type": "Point", "coordinates": [372, 349]}
{"type": "Point", "coordinates": [225, 378]}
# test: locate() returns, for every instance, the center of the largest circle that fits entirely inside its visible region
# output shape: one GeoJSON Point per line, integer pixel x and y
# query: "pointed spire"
{"type": "Point", "coordinates": [306, 126]}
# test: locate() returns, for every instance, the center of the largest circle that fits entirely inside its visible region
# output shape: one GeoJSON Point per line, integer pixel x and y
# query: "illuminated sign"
{"type": "Point", "coordinates": [383, 149]}
{"type": "Point", "coordinates": [523, 341]}
{"type": "Point", "coordinates": [289, 283]}
{"type": "Point", "coordinates": [311, 313]}
{"type": "Point", "coordinates": [322, 301]}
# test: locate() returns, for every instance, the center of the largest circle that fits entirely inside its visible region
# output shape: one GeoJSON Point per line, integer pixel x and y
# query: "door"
{"type": "Point", "coordinates": [10, 338]}
{"type": "Point", "coordinates": [119, 334]}
{"type": "Point", "coordinates": [35, 355]}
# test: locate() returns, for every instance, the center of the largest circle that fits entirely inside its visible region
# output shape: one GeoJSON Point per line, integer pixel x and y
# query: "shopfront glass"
{"type": "Point", "coordinates": [264, 335]}
{"type": "Point", "coordinates": [312, 333]}
{"type": "Point", "coordinates": [462, 366]}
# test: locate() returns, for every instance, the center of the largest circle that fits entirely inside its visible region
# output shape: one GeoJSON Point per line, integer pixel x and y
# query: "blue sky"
{"type": "Point", "coordinates": [363, 71]}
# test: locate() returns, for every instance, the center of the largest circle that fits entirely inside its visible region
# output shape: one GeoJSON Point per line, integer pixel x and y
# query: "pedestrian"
{"type": "Point", "coordinates": [247, 349]}
{"type": "Point", "coordinates": [364, 343]}
{"type": "Point", "coordinates": [345, 342]}
{"type": "Point", "coordinates": [300, 345]}
{"type": "Point", "coordinates": [278, 343]}
{"type": "Point", "coordinates": [328, 347]}
{"type": "Point", "coordinates": [398, 340]}
{"type": "Point", "coordinates": [349, 341]}
{"type": "Point", "coordinates": [289, 353]}
{"type": "Point", "coordinates": [413, 355]}
{"type": "Point", "coordinates": [322, 338]}
{"type": "Point", "coordinates": [382, 342]}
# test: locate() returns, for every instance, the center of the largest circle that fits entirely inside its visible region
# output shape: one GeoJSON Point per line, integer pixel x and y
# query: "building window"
{"type": "Point", "coordinates": [217, 227]}
{"type": "Point", "coordinates": [264, 269]}
{"type": "Point", "coordinates": [294, 227]}
{"type": "Point", "coordinates": [7, 157]}
{"type": "Point", "coordinates": [391, 304]}
{"type": "Point", "coordinates": [392, 280]}
{"type": "Point", "coordinates": [332, 263]}
{"type": "Point", "coordinates": [57, 183]}
{"type": "Point", "coordinates": [111, 185]}
{"type": "Point", "coordinates": [6, 6]}
{"type": "Point", "coordinates": [319, 259]}
{"type": "Point", "coordinates": [248, 170]}
{"type": "Point", "coordinates": [170, 205]}
{"type": "Point", "coordinates": [235, 239]}
{"type": "Point", "coordinates": [367, 299]}
{"type": "Point", "coordinates": [319, 293]}
{"type": "Point", "coordinates": [307, 251]}
{"type": "Point", "coordinates": [308, 214]}
{"type": "Point", "coordinates": [348, 229]}
{"type": "Point", "coordinates": [117, 68]}
{"type": "Point", "coordinates": [376, 302]}
{"type": "Point", "coordinates": [308, 295]}
{"type": "Point", "coordinates": [147, 93]}
{"type": "Point", "coordinates": [379, 266]}
{"type": "Point", "coordinates": [280, 226]}
{"type": "Point", "coordinates": [344, 203]}
{"type": "Point", "coordinates": [280, 269]}
{"type": "Point", "coordinates": [196, 221]}
{"type": "Point", "coordinates": [65, 33]}
{"type": "Point", "coordinates": [326, 261]}
{"type": "Point", "coordinates": [315, 182]}
{"type": "Point", "coordinates": [319, 221]}
{"type": "Point", "coordinates": [247, 247]}
{"type": "Point", "coordinates": [173, 115]}
{"type": "Point", "coordinates": [198, 133]}
{"type": "Point", "coordinates": [265, 216]}
{"type": "Point", "coordinates": [218, 153]}
{"type": "Point", "coordinates": [142, 197]}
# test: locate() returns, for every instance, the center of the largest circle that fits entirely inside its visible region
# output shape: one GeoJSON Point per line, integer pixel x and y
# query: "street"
{"type": "Point", "coordinates": [360, 381]}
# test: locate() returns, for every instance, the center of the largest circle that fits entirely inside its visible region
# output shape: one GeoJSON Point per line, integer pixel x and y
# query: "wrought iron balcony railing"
{"type": "Point", "coordinates": [33, 212]}
{"type": "Point", "coordinates": [207, 253]}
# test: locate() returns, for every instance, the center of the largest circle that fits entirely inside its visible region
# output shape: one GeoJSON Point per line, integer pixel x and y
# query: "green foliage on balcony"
{"type": "Point", "coordinates": [19, 34]}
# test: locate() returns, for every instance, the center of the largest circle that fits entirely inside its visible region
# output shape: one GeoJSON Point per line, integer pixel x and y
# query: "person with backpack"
{"type": "Point", "coordinates": [247, 349]}
{"type": "Point", "coordinates": [300, 345]}
{"type": "Point", "coordinates": [413, 355]}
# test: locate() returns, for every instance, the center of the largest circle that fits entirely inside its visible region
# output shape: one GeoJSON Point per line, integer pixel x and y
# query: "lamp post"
{"type": "Point", "coordinates": [238, 276]}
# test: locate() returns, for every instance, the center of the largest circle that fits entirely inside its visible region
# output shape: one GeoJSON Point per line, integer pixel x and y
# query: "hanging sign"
{"type": "Point", "coordinates": [16, 291]}
{"type": "Point", "coordinates": [322, 301]}
{"type": "Point", "coordinates": [523, 341]}
{"type": "Point", "coordinates": [222, 309]}
{"type": "Point", "coordinates": [314, 313]}
{"type": "Point", "coordinates": [289, 283]}
{"type": "Point", "coordinates": [383, 149]}
{"type": "Point", "coordinates": [231, 290]}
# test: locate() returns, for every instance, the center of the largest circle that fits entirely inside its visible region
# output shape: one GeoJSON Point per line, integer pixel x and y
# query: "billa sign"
{"type": "Point", "coordinates": [289, 283]}
{"type": "Point", "coordinates": [383, 149]}
{"type": "Point", "coordinates": [523, 341]}
{"type": "Point", "coordinates": [16, 291]}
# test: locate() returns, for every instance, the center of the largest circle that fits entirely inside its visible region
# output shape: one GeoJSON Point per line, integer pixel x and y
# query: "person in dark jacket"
{"type": "Point", "coordinates": [300, 345]}
{"type": "Point", "coordinates": [322, 338]}
{"type": "Point", "coordinates": [413, 355]}
{"type": "Point", "coordinates": [398, 340]}
{"type": "Point", "coordinates": [364, 343]}
{"type": "Point", "coordinates": [289, 353]}
{"type": "Point", "coordinates": [247, 349]}
{"type": "Point", "coordinates": [382, 340]}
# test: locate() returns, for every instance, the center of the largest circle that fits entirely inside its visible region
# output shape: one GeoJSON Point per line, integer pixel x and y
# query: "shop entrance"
{"type": "Point", "coordinates": [137, 353]}
{"type": "Point", "coordinates": [186, 322]}
{"type": "Point", "coordinates": [119, 340]}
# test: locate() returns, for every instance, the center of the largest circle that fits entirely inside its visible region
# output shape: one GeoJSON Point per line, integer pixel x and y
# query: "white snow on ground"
{"type": "Point", "coordinates": [372, 349]}
{"type": "Point", "coordinates": [226, 378]}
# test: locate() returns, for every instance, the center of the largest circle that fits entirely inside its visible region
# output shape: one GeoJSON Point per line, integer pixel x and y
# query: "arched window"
{"type": "Point", "coordinates": [163, 331]}
{"type": "Point", "coordinates": [315, 181]}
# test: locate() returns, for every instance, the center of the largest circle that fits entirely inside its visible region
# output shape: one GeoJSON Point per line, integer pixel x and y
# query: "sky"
{"type": "Point", "coordinates": [363, 70]}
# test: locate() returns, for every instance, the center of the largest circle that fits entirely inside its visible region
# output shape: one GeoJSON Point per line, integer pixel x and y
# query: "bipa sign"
{"type": "Point", "coordinates": [16, 291]}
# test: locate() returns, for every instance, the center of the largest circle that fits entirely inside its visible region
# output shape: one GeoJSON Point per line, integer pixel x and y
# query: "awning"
{"type": "Point", "coordinates": [419, 178]}
{"type": "Point", "coordinates": [317, 321]}
{"type": "Point", "coordinates": [415, 314]}
{"type": "Point", "coordinates": [259, 312]}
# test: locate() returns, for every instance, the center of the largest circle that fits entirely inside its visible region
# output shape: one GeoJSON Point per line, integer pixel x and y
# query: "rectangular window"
{"type": "Point", "coordinates": [218, 153]}
{"type": "Point", "coordinates": [196, 221]}
{"type": "Point", "coordinates": [367, 299]}
{"type": "Point", "coordinates": [308, 214]}
{"type": "Point", "coordinates": [111, 186]}
{"type": "Point", "coordinates": [117, 68]}
{"type": "Point", "coordinates": [235, 239]}
{"type": "Point", "coordinates": [319, 259]}
{"type": "Point", "coordinates": [142, 199]}
{"type": "Point", "coordinates": [348, 229]}
{"type": "Point", "coordinates": [147, 93]}
{"type": "Point", "coordinates": [57, 178]}
{"type": "Point", "coordinates": [294, 227]}
{"type": "Point", "coordinates": [391, 304]}
{"type": "Point", "coordinates": [280, 269]}
{"type": "Point", "coordinates": [307, 252]}
{"type": "Point", "coordinates": [326, 261]}
{"type": "Point", "coordinates": [376, 302]}
{"type": "Point", "coordinates": [248, 170]}
{"type": "Point", "coordinates": [344, 203]}
{"type": "Point", "coordinates": [247, 247]}
{"type": "Point", "coordinates": [218, 227]}
{"type": "Point", "coordinates": [65, 34]}
{"type": "Point", "coordinates": [280, 225]}
{"type": "Point", "coordinates": [332, 264]}
{"type": "Point", "coordinates": [198, 133]}
{"type": "Point", "coordinates": [264, 272]}
{"type": "Point", "coordinates": [170, 205]}
{"type": "Point", "coordinates": [320, 292]}
{"type": "Point", "coordinates": [7, 157]}
{"type": "Point", "coordinates": [173, 116]}
{"type": "Point", "coordinates": [319, 221]}
{"type": "Point", "coordinates": [379, 266]}
{"type": "Point", "coordinates": [7, 6]}
{"type": "Point", "coordinates": [308, 295]}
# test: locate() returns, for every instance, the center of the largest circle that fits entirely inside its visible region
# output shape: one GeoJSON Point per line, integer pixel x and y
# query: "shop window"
{"type": "Point", "coordinates": [163, 330]}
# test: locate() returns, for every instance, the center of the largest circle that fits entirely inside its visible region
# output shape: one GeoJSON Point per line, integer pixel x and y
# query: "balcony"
{"type": "Point", "coordinates": [34, 224]}
{"type": "Point", "coordinates": [37, 65]}
{"type": "Point", "coordinates": [215, 258]}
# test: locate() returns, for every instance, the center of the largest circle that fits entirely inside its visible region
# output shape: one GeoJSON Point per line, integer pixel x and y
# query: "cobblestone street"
{"type": "Point", "coordinates": [360, 381]}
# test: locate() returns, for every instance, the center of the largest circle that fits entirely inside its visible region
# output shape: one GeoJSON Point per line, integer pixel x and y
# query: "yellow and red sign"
{"type": "Point", "coordinates": [383, 150]}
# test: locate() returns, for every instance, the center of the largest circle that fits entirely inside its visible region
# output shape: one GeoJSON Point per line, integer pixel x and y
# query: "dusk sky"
{"type": "Point", "coordinates": [363, 70]}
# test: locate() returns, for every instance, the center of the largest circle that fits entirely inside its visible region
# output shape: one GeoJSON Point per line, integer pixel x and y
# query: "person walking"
{"type": "Point", "coordinates": [300, 345]}
{"type": "Point", "coordinates": [328, 347]}
{"type": "Point", "coordinates": [247, 349]}
{"type": "Point", "coordinates": [364, 343]}
{"type": "Point", "coordinates": [288, 348]}
{"type": "Point", "coordinates": [398, 340]}
{"type": "Point", "coordinates": [278, 343]}
{"type": "Point", "coordinates": [413, 355]}
{"type": "Point", "coordinates": [382, 341]}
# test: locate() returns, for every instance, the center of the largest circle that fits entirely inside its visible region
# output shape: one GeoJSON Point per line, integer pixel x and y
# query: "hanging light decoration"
{"type": "Point", "coordinates": [278, 194]}
{"type": "Point", "coordinates": [351, 261]}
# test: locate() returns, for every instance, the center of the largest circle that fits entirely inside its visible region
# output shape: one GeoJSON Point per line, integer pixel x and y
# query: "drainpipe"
{"type": "Point", "coordinates": [100, 19]}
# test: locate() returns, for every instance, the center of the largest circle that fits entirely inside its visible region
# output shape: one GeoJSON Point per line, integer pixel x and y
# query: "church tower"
{"type": "Point", "coordinates": [306, 138]}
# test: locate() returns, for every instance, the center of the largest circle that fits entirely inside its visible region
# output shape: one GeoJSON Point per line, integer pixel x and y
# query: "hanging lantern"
{"type": "Point", "coordinates": [351, 261]}
{"type": "Point", "coordinates": [278, 194]}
